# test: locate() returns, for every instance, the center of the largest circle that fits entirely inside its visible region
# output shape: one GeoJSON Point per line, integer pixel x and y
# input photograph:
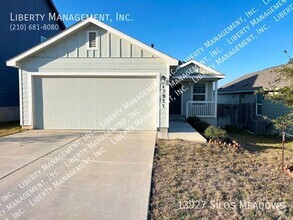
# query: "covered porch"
{"type": "Point", "coordinates": [194, 99]}
{"type": "Point", "coordinates": [194, 91]}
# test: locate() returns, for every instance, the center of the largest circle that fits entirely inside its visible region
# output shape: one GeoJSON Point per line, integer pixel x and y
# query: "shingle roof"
{"type": "Point", "coordinates": [255, 81]}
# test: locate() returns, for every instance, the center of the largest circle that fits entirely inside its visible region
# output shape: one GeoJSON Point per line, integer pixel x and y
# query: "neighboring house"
{"type": "Point", "coordinates": [240, 105]}
{"type": "Point", "coordinates": [193, 91]}
{"type": "Point", "coordinates": [92, 76]}
{"type": "Point", "coordinates": [15, 41]}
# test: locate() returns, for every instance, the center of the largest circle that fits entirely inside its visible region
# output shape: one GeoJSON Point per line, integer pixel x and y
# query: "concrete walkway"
{"type": "Point", "coordinates": [182, 130]}
{"type": "Point", "coordinates": [92, 178]}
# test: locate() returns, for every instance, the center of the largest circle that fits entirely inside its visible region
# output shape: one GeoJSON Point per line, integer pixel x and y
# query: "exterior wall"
{"type": "Point", "coordinates": [273, 110]}
{"type": "Point", "coordinates": [15, 42]}
{"type": "Point", "coordinates": [9, 113]}
{"type": "Point", "coordinates": [71, 55]}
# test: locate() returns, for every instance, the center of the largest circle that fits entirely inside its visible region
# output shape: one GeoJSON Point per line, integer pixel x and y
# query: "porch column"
{"type": "Point", "coordinates": [216, 98]}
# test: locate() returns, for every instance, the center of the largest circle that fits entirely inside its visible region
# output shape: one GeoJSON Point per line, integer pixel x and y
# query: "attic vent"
{"type": "Point", "coordinates": [92, 39]}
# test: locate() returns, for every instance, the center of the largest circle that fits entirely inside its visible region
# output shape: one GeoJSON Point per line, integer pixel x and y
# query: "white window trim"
{"type": "Point", "coordinates": [88, 40]}
{"type": "Point", "coordinates": [256, 105]}
{"type": "Point", "coordinates": [206, 91]}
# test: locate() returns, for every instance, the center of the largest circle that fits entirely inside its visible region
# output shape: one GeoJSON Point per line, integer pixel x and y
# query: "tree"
{"type": "Point", "coordinates": [283, 95]}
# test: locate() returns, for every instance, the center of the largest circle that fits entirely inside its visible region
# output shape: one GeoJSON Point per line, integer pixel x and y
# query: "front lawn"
{"type": "Point", "coordinates": [201, 181]}
{"type": "Point", "coordinates": [7, 128]}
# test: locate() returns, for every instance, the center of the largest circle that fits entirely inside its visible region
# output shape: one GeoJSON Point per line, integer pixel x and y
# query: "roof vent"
{"type": "Point", "coordinates": [152, 45]}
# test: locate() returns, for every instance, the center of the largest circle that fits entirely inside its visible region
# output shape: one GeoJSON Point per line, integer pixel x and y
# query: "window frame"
{"type": "Point", "coordinates": [193, 93]}
{"type": "Point", "coordinates": [258, 104]}
{"type": "Point", "coordinates": [88, 40]}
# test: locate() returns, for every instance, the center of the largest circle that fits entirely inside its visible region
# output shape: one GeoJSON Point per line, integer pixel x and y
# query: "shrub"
{"type": "Point", "coordinates": [215, 133]}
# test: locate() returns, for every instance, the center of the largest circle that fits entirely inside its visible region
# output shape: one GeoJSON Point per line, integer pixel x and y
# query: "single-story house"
{"type": "Point", "coordinates": [241, 105]}
{"type": "Point", "coordinates": [92, 76]}
{"type": "Point", "coordinates": [14, 40]}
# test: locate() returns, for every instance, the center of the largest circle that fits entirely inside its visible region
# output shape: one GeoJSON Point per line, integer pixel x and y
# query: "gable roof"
{"type": "Point", "coordinates": [52, 5]}
{"type": "Point", "coordinates": [254, 81]}
{"type": "Point", "coordinates": [14, 62]}
{"type": "Point", "coordinates": [207, 70]}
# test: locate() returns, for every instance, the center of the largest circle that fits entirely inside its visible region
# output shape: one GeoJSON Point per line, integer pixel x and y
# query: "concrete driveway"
{"type": "Point", "coordinates": [75, 175]}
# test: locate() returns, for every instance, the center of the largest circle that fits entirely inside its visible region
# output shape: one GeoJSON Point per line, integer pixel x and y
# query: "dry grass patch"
{"type": "Point", "coordinates": [193, 181]}
{"type": "Point", "coordinates": [8, 128]}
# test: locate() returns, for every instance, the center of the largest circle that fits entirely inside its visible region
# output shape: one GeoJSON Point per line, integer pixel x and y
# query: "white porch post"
{"type": "Point", "coordinates": [216, 98]}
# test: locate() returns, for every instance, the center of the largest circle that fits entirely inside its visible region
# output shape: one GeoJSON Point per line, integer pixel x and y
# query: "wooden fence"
{"type": "Point", "coordinates": [238, 115]}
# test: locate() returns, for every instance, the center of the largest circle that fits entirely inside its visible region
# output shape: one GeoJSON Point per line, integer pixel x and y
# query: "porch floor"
{"type": "Point", "coordinates": [182, 130]}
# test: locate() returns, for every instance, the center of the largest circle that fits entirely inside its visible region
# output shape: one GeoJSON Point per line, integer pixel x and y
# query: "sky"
{"type": "Point", "coordinates": [181, 28]}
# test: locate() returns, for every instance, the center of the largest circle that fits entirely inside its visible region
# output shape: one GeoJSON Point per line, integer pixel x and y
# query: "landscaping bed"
{"type": "Point", "coordinates": [204, 181]}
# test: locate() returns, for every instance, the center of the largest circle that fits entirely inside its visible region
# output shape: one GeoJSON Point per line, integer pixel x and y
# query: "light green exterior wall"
{"type": "Point", "coordinates": [71, 55]}
{"type": "Point", "coordinates": [273, 110]}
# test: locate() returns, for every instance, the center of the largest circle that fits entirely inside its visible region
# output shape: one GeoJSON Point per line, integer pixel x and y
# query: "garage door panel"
{"type": "Point", "coordinates": [85, 102]}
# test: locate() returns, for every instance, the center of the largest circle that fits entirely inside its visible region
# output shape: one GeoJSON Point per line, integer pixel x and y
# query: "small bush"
{"type": "Point", "coordinates": [215, 133]}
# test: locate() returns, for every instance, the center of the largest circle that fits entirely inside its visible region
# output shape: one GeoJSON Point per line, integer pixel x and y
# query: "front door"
{"type": "Point", "coordinates": [175, 100]}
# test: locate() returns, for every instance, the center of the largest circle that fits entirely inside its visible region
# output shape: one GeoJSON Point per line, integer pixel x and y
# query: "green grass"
{"type": "Point", "coordinates": [8, 128]}
{"type": "Point", "coordinates": [187, 175]}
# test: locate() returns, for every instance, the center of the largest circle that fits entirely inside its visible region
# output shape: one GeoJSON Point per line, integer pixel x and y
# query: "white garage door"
{"type": "Point", "coordinates": [102, 103]}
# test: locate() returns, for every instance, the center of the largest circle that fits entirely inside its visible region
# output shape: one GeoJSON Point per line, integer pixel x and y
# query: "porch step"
{"type": "Point", "coordinates": [177, 118]}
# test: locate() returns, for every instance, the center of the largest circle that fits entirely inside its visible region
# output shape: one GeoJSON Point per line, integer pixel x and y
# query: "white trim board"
{"type": "Point", "coordinates": [198, 64]}
{"type": "Point", "coordinates": [20, 97]}
{"type": "Point", "coordinates": [14, 62]}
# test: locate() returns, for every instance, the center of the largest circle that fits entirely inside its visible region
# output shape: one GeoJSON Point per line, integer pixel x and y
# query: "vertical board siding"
{"type": "Point", "coordinates": [109, 45]}
{"type": "Point", "coordinates": [105, 43]}
{"type": "Point", "coordinates": [126, 49]}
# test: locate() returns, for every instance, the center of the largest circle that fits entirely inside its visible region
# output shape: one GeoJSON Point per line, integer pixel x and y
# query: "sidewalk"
{"type": "Point", "coordinates": [182, 130]}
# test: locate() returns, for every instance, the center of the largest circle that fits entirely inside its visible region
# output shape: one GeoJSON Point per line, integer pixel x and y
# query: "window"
{"type": "Point", "coordinates": [92, 40]}
{"type": "Point", "coordinates": [43, 38]}
{"type": "Point", "coordinates": [259, 99]}
{"type": "Point", "coordinates": [199, 92]}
